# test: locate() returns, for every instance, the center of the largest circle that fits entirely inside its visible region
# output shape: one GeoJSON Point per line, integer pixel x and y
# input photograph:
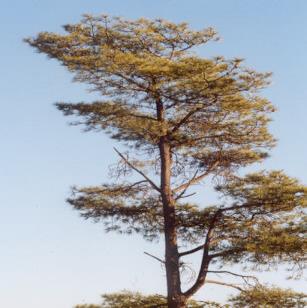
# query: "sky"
{"type": "Point", "coordinates": [49, 256]}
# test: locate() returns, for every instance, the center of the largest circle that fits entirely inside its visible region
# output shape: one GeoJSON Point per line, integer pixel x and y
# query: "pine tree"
{"type": "Point", "coordinates": [183, 118]}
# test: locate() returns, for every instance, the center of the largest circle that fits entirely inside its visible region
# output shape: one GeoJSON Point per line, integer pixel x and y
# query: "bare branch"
{"type": "Point", "coordinates": [195, 179]}
{"type": "Point", "coordinates": [138, 171]}
{"type": "Point", "coordinates": [244, 277]}
{"type": "Point", "coordinates": [186, 196]}
{"type": "Point", "coordinates": [154, 257]}
{"type": "Point", "coordinates": [187, 186]}
{"type": "Point", "coordinates": [225, 284]}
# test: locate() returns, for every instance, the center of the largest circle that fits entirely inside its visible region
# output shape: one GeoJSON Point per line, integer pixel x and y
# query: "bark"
{"type": "Point", "coordinates": [175, 297]}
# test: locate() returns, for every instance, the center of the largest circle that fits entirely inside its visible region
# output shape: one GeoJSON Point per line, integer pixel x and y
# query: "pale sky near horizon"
{"type": "Point", "coordinates": [49, 256]}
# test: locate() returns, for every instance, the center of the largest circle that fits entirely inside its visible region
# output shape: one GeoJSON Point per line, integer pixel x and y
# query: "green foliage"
{"type": "Point", "coordinates": [266, 220]}
{"type": "Point", "coordinates": [88, 306]}
{"type": "Point", "coordinates": [256, 297]}
{"type": "Point", "coordinates": [126, 299]}
{"type": "Point", "coordinates": [269, 298]}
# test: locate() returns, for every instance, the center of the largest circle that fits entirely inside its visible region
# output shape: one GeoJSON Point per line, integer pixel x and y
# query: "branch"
{"type": "Point", "coordinates": [184, 253]}
{"type": "Point", "coordinates": [244, 277]}
{"type": "Point", "coordinates": [186, 196]}
{"type": "Point", "coordinates": [225, 284]}
{"type": "Point", "coordinates": [251, 205]}
{"type": "Point", "coordinates": [137, 183]}
{"type": "Point", "coordinates": [142, 116]}
{"type": "Point", "coordinates": [224, 253]}
{"type": "Point", "coordinates": [195, 179]}
{"type": "Point", "coordinates": [154, 257]}
{"type": "Point", "coordinates": [201, 278]}
{"type": "Point", "coordinates": [187, 186]}
{"type": "Point", "coordinates": [138, 171]}
{"type": "Point", "coordinates": [200, 247]}
{"type": "Point", "coordinates": [211, 226]}
{"type": "Point", "coordinates": [185, 118]}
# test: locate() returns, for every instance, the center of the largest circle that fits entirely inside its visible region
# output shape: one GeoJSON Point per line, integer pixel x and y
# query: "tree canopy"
{"type": "Point", "coordinates": [183, 118]}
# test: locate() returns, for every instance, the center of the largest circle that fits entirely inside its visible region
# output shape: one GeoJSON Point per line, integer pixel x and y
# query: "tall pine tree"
{"type": "Point", "coordinates": [183, 118]}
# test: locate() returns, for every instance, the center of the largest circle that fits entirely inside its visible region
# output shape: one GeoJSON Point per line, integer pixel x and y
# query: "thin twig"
{"type": "Point", "coordinates": [187, 186]}
{"type": "Point", "coordinates": [186, 196]}
{"type": "Point", "coordinates": [244, 277]}
{"type": "Point", "coordinates": [138, 171]}
{"type": "Point", "coordinates": [194, 180]}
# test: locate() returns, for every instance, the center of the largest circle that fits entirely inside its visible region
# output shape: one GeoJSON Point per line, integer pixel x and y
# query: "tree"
{"type": "Point", "coordinates": [183, 118]}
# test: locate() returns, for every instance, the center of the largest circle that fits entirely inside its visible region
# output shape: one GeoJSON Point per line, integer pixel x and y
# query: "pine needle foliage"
{"type": "Point", "coordinates": [265, 297]}
{"type": "Point", "coordinates": [127, 299]}
{"type": "Point", "coordinates": [183, 118]}
{"type": "Point", "coordinates": [254, 297]}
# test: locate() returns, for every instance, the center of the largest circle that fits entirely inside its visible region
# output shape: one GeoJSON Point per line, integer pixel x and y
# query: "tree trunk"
{"type": "Point", "coordinates": [177, 303]}
{"type": "Point", "coordinates": [175, 299]}
{"type": "Point", "coordinates": [174, 296]}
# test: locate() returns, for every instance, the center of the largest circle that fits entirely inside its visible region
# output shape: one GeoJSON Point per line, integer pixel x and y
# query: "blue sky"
{"type": "Point", "coordinates": [49, 256]}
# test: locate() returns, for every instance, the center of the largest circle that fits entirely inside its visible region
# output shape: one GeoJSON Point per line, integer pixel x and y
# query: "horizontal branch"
{"type": "Point", "coordinates": [200, 247]}
{"type": "Point", "coordinates": [208, 239]}
{"type": "Point", "coordinates": [225, 284]}
{"type": "Point", "coordinates": [225, 253]}
{"type": "Point", "coordinates": [244, 277]}
{"type": "Point", "coordinates": [138, 171]}
{"type": "Point", "coordinates": [184, 253]}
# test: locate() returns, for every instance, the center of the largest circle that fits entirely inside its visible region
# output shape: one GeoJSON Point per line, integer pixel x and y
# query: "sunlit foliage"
{"type": "Point", "coordinates": [257, 297]}
{"type": "Point", "coordinates": [269, 298]}
{"type": "Point", "coordinates": [126, 299]}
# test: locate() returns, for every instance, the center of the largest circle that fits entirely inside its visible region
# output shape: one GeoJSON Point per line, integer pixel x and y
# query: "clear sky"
{"type": "Point", "coordinates": [49, 256]}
